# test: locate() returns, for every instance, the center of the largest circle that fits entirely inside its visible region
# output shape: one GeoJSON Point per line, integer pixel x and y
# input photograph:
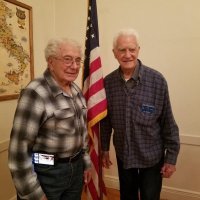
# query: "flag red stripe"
{"type": "Point", "coordinates": [94, 158]}
{"type": "Point", "coordinates": [96, 87]}
{"type": "Point", "coordinates": [95, 64]}
{"type": "Point", "coordinates": [93, 190]}
{"type": "Point", "coordinates": [97, 109]}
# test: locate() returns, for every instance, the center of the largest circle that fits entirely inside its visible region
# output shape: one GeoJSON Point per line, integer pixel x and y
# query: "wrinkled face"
{"type": "Point", "coordinates": [66, 65]}
{"type": "Point", "coordinates": [126, 52]}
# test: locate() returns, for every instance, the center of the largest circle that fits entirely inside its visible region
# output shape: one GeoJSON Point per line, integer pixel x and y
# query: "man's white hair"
{"type": "Point", "coordinates": [126, 32]}
{"type": "Point", "coordinates": [53, 46]}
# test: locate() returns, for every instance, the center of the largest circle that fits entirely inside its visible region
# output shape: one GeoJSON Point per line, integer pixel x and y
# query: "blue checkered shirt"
{"type": "Point", "coordinates": [140, 118]}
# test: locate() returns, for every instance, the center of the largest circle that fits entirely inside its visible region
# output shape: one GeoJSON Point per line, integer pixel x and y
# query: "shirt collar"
{"type": "Point", "coordinates": [135, 75]}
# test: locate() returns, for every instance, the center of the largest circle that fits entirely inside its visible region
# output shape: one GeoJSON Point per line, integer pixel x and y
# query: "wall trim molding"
{"type": "Point", "coordinates": [4, 145]}
{"type": "Point", "coordinates": [177, 193]}
{"type": "Point", "coordinates": [193, 140]}
{"type": "Point", "coordinates": [184, 138]}
{"type": "Point", "coordinates": [13, 198]}
{"type": "Point", "coordinates": [111, 182]}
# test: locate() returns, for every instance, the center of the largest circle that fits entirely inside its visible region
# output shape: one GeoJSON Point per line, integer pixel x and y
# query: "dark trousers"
{"type": "Point", "coordinates": [140, 183]}
{"type": "Point", "coordinates": [63, 181]}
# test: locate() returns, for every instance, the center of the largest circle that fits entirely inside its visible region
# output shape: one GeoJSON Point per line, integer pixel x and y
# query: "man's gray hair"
{"type": "Point", "coordinates": [53, 46]}
{"type": "Point", "coordinates": [126, 32]}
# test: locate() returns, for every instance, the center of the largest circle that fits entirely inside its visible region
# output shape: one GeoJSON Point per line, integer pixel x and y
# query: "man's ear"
{"type": "Point", "coordinates": [114, 53]}
{"type": "Point", "coordinates": [50, 60]}
{"type": "Point", "coordinates": [50, 63]}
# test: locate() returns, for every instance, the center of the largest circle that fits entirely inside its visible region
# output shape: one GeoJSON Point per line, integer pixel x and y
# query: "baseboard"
{"type": "Point", "coordinates": [111, 182]}
{"type": "Point", "coordinates": [13, 198]}
{"type": "Point", "coordinates": [4, 145]}
{"type": "Point", "coordinates": [167, 192]}
{"type": "Point", "coordinates": [179, 194]}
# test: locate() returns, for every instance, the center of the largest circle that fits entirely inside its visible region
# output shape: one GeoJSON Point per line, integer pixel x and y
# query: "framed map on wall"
{"type": "Point", "coordinates": [16, 48]}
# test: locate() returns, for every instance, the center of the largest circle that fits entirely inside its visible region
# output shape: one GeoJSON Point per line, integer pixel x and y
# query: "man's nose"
{"type": "Point", "coordinates": [74, 65]}
{"type": "Point", "coordinates": [127, 53]}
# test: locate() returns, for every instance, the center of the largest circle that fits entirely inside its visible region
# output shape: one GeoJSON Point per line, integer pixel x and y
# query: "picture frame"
{"type": "Point", "coordinates": [16, 48]}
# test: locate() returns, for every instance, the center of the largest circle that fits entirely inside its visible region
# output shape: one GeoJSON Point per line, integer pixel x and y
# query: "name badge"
{"type": "Point", "coordinates": [42, 158]}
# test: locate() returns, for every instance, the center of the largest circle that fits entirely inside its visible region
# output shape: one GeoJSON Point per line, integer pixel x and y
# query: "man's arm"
{"type": "Point", "coordinates": [170, 135]}
{"type": "Point", "coordinates": [24, 131]}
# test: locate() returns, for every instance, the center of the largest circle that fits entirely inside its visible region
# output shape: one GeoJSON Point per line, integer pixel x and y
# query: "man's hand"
{"type": "Point", "coordinates": [87, 175]}
{"type": "Point", "coordinates": [167, 170]}
{"type": "Point", "coordinates": [44, 198]}
{"type": "Point", "coordinates": [106, 159]}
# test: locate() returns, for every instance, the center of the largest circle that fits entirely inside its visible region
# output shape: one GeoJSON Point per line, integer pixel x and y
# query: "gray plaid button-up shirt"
{"type": "Point", "coordinates": [141, 118]}
{"type": "Point", "coordinates": [46, 120]}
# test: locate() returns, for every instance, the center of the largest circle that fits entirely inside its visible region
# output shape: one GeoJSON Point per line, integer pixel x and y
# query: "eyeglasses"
{"type": "Point", "coordinates": [69, 60]}
{"type": "Point", "coordinates": [130, 50]}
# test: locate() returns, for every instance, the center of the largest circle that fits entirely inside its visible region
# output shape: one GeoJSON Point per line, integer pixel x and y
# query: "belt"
{"type": "Point", "coordinates": [72, 158]}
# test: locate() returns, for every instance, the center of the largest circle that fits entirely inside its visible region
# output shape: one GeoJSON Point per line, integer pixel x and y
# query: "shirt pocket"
{"type": "Point", "coordinates": [145, 115]}
{"type": "Point", "coordinates": [64, 121]}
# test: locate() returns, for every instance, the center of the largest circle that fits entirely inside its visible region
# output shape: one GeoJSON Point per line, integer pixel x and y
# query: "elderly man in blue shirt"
{"type": "Point", "coordinates": [145, 134]}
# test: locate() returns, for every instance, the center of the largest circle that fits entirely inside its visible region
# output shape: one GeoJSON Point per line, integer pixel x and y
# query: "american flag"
{"type": "Point", "coordinates": [94, 92]}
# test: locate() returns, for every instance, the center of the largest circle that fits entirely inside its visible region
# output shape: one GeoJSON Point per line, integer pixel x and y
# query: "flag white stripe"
{"type": "Point", "coordinates": [96, 98]}
{"type": "Point", "coordinates": [95, 76]}
{"type": "Point", "coordinates": [94, 54]}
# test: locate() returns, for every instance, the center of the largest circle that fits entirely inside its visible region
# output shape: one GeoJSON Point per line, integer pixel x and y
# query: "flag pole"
{"type": "Point", "coordinates": [100, 166]}
{"type": "Point", "coordinates": [94, 93]}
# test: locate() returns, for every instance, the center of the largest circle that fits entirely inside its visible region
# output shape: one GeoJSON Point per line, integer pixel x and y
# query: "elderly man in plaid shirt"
{"type": "Point", "coordinates": [48, 152]}
{"type": "Point", "coordinates": [145, 134]}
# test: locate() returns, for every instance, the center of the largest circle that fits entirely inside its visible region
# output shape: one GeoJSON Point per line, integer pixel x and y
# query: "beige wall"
{"type": "Point", "coordinates": [170, 42]}
{"type": "Point", "coordinates": [7, 190]}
